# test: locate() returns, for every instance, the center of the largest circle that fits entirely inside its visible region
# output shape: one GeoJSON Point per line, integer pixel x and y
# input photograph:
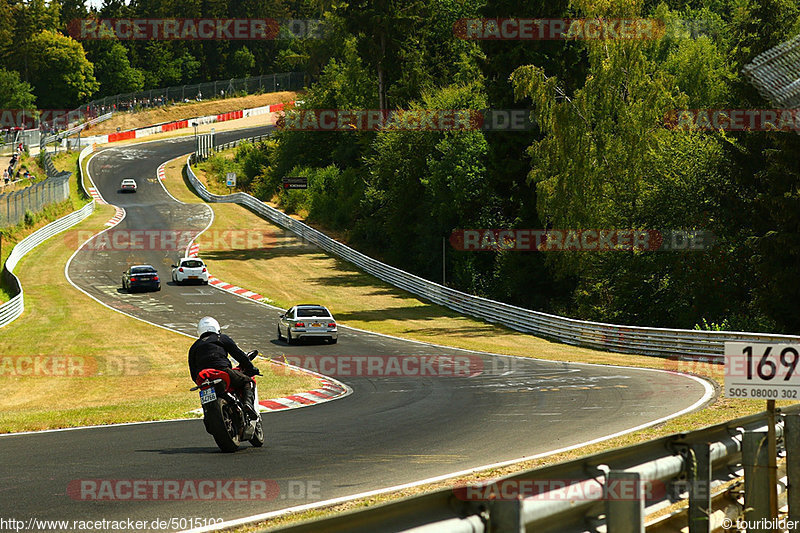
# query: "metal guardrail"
{"type": "Point", "coordinates": [12, 309]}
{"type": "Point", "coordinates": [285, 81]}
{"type": "Point", "coordinates": [102, 108]}
{"type": "Point", "coordinates": [775, 73]}
{"type": "Point", "coordinates": [663, 342]}
{"type": "Point", "coordinates": [47, 139]}
{"type": "Point", "coordinates": [614, 491]}
{"type": "Point", "coordinates": [205, 145]}
{"type": "Point", "coordinates": [47, 160]}
{"type": "Point", "coordinates": [234, 144]}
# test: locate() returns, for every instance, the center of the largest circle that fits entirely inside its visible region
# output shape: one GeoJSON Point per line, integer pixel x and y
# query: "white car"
{"type": "Point", "coordinates": [127, 185]}
{"type": "Point", "coordinates": [307, 320]}
{"type": "Point", "coordinates": [190, 269]}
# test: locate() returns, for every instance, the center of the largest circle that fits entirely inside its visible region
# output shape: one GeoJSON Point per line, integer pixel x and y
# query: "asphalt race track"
{"type": "Point", "coordinates": [390, 431]}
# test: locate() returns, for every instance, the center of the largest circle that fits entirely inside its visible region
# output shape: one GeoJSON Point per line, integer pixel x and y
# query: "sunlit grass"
{"type": "Point", "coordinates": [138, 371]}
{"type": "Point", "coordinates": [360, 300]}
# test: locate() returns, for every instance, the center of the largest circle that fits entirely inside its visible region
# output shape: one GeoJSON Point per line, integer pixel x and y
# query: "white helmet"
{"type": "Point", "coordinates": [206, 324]}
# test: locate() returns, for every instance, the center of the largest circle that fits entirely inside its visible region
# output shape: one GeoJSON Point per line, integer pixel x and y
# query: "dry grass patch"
{"type": "Point", "coordinates": [61, 323]}
{"type": "Point", "coordinates": [362, 301]}
{"type": "Point", "coordinates": [128, 121]}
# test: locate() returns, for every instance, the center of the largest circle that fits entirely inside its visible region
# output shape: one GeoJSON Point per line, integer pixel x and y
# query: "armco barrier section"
{"type": "Point", "coordinates": [13, 308]}
{"type": "Point", "coordinates": [627, 339]}
{"type": "Point", "coordinates": [234, 144]}
{"type": "Point", "coordinates": [64, 134]}
{"type": "Point", "coordinates": [614, 491]}
{"type": "Point", "coordinates": [181, 124]}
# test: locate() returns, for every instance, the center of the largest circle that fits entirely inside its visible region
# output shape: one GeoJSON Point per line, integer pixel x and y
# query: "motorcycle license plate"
{"type": "Point", "coordinates": [208, 395]}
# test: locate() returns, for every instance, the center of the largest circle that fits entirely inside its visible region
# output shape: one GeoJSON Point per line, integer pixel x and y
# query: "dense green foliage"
{"type": "Point", "coordinates": [600, 155]}
{"type": "Point", "coordinates": [41, 40]}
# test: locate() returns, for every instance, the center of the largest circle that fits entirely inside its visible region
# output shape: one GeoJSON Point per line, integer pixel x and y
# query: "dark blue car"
{"type": "Point", "coordinates": [141, 277]}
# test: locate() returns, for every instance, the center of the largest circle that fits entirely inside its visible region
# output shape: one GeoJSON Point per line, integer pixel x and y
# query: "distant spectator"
{"type": "Point", "coordinates": [5, 177]}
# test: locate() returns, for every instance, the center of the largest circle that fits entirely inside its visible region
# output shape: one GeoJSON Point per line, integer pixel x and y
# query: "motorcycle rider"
{"type": "Point", "coordinates": [211, 350]}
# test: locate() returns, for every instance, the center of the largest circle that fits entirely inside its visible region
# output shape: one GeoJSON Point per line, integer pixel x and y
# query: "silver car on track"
{"type": "Point", "coordinates": [307, 321]}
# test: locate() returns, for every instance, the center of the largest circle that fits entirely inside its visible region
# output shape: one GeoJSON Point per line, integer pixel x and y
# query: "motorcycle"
{"type": "Point", "coordinates": [224, 413]}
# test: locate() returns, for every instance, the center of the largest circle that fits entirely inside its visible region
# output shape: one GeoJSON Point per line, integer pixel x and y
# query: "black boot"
{"type": "Point", "coordinates": [249, 398]}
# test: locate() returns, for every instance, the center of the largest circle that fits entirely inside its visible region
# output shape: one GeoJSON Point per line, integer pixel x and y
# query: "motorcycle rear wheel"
{"type": "Point", "coordinates": [258, 436]}
{"type": "Point", "coordinates": [222, 426]}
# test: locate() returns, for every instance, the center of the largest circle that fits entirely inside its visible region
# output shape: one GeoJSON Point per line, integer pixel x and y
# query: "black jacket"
{"type": "Point", "coordinates": [211, 350]}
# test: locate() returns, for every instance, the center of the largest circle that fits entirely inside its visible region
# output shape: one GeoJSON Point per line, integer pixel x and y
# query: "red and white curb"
{"type": "Point", "coordinates": [244, 293]}
{"type": "Point", "coordinates": [96, 195]}
{"type": "Point", "coordinates": [161, 172]}
{"type": "Point", "coordinates": [330, 389]}
{"type": "Point", "coordinates": [184, 124]}
{"type": "Point", "coordinates": [119, 214]}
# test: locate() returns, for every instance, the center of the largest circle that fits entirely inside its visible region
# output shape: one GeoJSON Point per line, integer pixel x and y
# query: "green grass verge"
{"type": "Point", "coordinates": [10, 236]}
{"type": "Point", "coordinates": [360, 300]}
{"type": "Point", "coordinates": [61, 322]}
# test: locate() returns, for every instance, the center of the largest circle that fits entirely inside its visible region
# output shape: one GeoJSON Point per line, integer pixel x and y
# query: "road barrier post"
{"type": "Point", "coordinates": [624, 514]}
{"type": "Point", "coordinates": [506, 515]}
{"type": "Point", "coordinates": [791, 439]}
{"type": "Point", "coordinates": [699, 488]}
{"type": "Point", "coordinates": [755, 460]}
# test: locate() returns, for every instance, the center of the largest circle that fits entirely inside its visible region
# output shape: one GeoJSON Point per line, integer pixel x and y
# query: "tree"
{"type": "Point", "coordinates": [160, 67]}
{"type": "Point", "coordinates": [606, 161]}
{"type": "Point", "coordinates": [72, 10]}
{"type": "Point", "coordinates": [242, 63]}
{"type": "Point", "coordinates": [424, 184]}
{"type": "Point", "coordinates": [344, 84]}
{"type": "Point", "coordinates": [381, 25]}
{"type": "Point", "coordinates": [114, 70]}
{"type": "Point", "coordinates": [61, 75]}
{"type": "Point", "coordinates": [14, 93]}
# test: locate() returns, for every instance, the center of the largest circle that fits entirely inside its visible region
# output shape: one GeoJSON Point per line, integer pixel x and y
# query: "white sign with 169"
{"type": "Point", "coordinates": [762, 371]}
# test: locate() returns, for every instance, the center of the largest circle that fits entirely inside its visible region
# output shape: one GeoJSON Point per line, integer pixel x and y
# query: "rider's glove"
{"type": "Point", "coordinates": [252, 372]}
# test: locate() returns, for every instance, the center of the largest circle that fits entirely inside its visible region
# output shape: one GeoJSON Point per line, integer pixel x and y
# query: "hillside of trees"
{"type": "Point", "coordinates": [601, 154]}
{"type": "Point", "coordinates": [44, 67]}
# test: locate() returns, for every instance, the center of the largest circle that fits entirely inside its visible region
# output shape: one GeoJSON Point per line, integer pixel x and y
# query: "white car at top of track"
{"type": "Point", "coordinates": [190, 269]}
